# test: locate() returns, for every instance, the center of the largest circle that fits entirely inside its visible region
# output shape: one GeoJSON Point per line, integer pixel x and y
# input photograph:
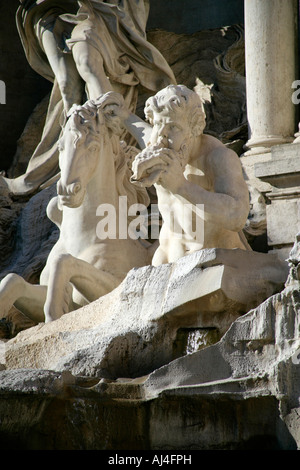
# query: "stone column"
{"type": "Point", "coordinates": [271, 45]}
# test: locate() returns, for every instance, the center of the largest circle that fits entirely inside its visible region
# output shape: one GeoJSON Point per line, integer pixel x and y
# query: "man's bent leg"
{"type": "Point", "coordinates": [90, 67]}
{"type": "Point", "coordinates": [64, 69]}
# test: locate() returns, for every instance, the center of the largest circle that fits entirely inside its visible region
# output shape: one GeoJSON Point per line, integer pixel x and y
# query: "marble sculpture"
{"type": "Point", "coordinates": [186, 167]}
{"type": "Point", "coordinates": [101, 47]}
{"type": "Point", "coordinates": [85, 48]}
{"type": "Point", "coordinates": [195, 175]}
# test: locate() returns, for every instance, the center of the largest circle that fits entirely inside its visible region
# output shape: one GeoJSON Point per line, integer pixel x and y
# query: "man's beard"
{"type": "Point", "coordinates": [184, 152]}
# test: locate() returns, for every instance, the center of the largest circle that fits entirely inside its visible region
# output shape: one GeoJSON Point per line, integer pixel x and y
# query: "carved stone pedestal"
{"type": "Point", "coordinates": [282, 172]}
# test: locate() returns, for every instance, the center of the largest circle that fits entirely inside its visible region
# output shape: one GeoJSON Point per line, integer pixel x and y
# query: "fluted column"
{"type": "Point", "coordinates": [271, 44]}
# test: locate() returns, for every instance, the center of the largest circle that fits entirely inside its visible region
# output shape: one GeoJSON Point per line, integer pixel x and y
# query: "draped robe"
{"type": "Point", "coordinates": [117, 29]}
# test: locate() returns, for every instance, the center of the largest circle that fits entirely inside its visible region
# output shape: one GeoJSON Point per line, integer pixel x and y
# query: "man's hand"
{"type": "Point", "coordinates": [116, 106]}
{"type": "Point", "coordinates": [171, 177]}
{"type": "Point", "coordinates": [147, 166]}
{"type": "Point", "coordinates": [157, 165]}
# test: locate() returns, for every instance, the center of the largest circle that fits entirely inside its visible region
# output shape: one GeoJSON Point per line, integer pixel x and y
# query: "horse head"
{"type": "Point", "coordinates": [79, 147]}
{"type": "Point", "coordinates": [90, 136]}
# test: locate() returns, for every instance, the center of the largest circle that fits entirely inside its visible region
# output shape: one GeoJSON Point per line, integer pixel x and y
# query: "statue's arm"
{"type": "Point", "coordinates": [228, 205]}
{"type": "Point", "coordinates": [138, 128]}
{"type": "Point", "coordinates": [231, 190]}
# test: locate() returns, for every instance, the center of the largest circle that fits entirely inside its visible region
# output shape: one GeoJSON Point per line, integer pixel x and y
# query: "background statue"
{"type": "Point", "coordinates": [85, 48]}
{"type": "Point", "coordinates": [188, 168]}
{"type": "Point", "coordinates": [82, 266]}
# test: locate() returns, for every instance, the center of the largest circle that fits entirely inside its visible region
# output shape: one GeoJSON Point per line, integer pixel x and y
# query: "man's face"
{"type": "Point", "coordinates": [169, 130]}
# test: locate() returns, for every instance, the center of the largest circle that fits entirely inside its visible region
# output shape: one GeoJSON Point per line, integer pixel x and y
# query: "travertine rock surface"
{"type": "Point", "coordinates": [134, 329]}
{"type": "Point", "coordinates": [239, 393]}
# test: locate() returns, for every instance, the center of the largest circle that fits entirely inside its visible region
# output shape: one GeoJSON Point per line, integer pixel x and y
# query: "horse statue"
{"type": "Point", "coordinates": [81, 267]}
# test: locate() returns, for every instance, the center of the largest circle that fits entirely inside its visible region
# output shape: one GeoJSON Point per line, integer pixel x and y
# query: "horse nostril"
{"type": "Point", "coordinates": [69, 190]}
{"type": "Point", "coordinates": [77, 188]}
{"type": "Point", "coordinates": [74, 188]}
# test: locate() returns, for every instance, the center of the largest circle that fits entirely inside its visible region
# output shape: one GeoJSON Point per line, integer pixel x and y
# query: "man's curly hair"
{"type": "Point", "coordinates": [182, 100]}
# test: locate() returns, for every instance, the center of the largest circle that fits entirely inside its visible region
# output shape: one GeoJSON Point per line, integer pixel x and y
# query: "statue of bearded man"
{"type": "Point", "coordinates": [198, 180]}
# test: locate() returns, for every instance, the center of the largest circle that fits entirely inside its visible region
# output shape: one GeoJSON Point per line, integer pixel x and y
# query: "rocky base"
{"type": "Point", "coordinates": [155, 315]}
{"type": "Point", "coordinates": [43, 410]}
{"type": "Point", "coordinates": [240, 393]}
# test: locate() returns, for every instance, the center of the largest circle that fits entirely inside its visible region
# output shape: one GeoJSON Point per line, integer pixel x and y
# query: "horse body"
{"type": "Point", "coordinates": [82, 266]}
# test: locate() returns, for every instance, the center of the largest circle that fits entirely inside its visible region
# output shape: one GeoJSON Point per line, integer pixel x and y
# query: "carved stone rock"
{"type": "Point", "coordinates": [237, 394]}
{"type": "Point", "coordinates": [134, 329]}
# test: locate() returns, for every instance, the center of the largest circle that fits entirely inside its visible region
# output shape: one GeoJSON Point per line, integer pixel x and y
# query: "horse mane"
{"type": "Point", "coordinates": [135, 194]}
{"type": "Point", "coordinates": [88, 122]}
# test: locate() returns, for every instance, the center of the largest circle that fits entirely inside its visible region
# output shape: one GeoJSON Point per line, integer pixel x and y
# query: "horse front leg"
{"type": "Point", "coordinates": [26, 297]}
{"type": "Point", "coordinates": [68, 272]}
{"type": "Point", "coordinates": [59, 293]}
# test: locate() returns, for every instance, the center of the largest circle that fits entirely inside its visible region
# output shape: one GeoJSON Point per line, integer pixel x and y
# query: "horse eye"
{"type": "Point", "coordinates": [93, 148]}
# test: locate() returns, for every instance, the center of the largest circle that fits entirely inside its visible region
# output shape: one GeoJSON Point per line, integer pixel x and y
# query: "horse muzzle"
{"type": "Point", "coordinates": [70, 195]}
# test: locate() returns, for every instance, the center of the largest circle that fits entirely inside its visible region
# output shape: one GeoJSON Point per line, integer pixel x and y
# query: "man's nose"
{"type": "Point", "coordinates": [163, 135]}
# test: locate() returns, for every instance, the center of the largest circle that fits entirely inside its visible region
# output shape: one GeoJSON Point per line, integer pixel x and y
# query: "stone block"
{"type": "Point", "coordinates": [278, 213]}
{"type": "Point", "coordinates": [283, 169]}
{"type": "Point", "coordinates": [282, 173]}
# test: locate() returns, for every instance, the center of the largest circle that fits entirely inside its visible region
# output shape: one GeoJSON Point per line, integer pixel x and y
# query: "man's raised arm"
{"type": "Point", "coordinates": [136, 126]}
